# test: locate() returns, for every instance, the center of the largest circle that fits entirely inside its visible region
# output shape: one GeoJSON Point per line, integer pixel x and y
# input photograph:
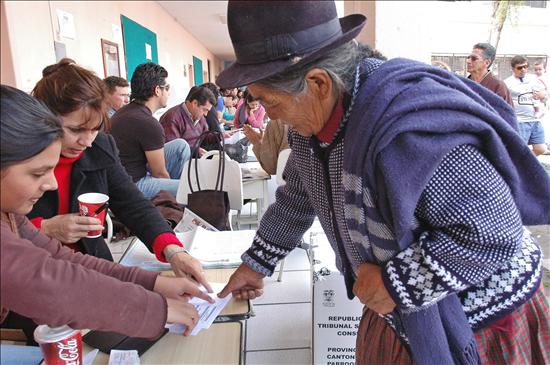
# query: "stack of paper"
{"type": "Point", "coordinates": [220, 249]}
{"type": "Point", "coordinates": [212, 249]}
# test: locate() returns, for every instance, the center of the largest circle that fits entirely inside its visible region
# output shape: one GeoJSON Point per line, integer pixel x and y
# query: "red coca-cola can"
{"type": "Point", "coordinates": [59, 345]}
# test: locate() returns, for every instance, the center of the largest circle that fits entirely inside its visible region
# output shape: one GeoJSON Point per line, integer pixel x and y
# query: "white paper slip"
{"type": "Point", "coordinates": [220, 248]}
{"type": "Point", "coordinates": [124, 357]}
{"type": "Point", "coordinates": [207, 311]}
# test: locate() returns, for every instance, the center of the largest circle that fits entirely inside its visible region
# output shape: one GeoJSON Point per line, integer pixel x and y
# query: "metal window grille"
{"type": "Point", "coordinates": [501, 66]}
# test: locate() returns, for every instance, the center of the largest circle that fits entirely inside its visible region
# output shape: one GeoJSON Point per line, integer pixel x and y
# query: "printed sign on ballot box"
{"type": "Point", "coordinates": [335, 317]}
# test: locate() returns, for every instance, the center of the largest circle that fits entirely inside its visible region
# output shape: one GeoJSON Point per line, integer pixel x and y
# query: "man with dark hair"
{"type": "Point", "coordinates": [187, 120]}
{"type": "Point", "coordinates": [118, 93]}
{"type": "Point", "coordinates": [214, 117]}
{"type": "Point", "coordinates": [218, 110]}
{"type": "Point", "coordinates": [478, 64]}
{"type": "Point", "coordinates": [524, 96]}
{"type": "Point", "coordinates": [153, 165]}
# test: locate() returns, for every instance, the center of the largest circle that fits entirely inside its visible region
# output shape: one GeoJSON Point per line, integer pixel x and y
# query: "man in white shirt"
{"type": "Point", "coordinates": [521, 85]}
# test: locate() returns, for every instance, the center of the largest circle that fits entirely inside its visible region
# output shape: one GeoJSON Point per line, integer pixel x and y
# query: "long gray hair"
{"type": "Point", "coordinates": [340, 63]}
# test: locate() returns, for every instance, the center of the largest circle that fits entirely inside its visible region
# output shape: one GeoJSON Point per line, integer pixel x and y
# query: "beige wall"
{"type": "Point", "coordinates": [33, 27]}
{"type": "Point", "coordinates": [368, 9]}
{"type": "Point", "coordinates": [30, 39]}
{"type": "Point", "coordinates": [6, 64]}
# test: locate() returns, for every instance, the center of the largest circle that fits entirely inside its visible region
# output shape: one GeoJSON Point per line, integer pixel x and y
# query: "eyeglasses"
{"type": "Point", "coordinates": [522, 67]}
{"type": "Point", "coordinates": [165, 87]}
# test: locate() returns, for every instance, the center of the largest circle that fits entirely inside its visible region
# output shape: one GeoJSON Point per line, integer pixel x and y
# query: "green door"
{"type": "Point", "coordinates": [197, 70]}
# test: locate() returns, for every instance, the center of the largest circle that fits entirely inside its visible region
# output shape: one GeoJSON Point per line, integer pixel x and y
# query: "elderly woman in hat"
{"type": "Point", "coordinates": [419, 180]}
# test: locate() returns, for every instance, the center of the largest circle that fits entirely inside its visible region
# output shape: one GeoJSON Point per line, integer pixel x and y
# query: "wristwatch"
{"type": "Point", "coordinates": [175, 251]}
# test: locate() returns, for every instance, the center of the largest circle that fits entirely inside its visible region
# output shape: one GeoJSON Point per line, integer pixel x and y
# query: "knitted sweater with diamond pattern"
{"type": "Point", "coordinates": [467, 242]}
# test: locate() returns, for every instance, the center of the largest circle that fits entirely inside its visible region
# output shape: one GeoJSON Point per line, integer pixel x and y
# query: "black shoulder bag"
{"type": "Point", "coordinates": [210, 205]}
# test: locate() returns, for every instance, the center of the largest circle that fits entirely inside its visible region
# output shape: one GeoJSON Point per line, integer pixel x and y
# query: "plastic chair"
{"type": "Point", "coordinates": [208, 171]}
{"type": "Point", "coordinates": [214, 154]}
{"type": "Point", "coordinates": [281, 163]}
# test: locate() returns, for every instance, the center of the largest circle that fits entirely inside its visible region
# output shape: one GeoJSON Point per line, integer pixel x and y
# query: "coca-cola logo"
{"type": "Point", "coordinates": [68, 352]}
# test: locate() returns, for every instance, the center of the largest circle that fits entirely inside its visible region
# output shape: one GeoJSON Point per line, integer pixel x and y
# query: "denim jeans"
{"type": "Point", "coordinates": [531, 132]}
{"type": "Point", "coordinates": [176, 152]}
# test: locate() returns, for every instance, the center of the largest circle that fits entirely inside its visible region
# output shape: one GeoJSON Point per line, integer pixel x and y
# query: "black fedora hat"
{"type": "Point", "coordinates": [271, 36]}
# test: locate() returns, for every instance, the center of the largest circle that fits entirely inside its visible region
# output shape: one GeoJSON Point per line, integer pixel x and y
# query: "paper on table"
{"type": "Point", "coordinates": [236, 137]}
{"type": "Point", "coordinates": [220, 248]}
{"type": "Point", "coordinates": [139, 255]}
{"type": "Point", "coordinates": [214, 249]}
{"type": "Point", "coordinates": [207, 312]}
{"type": "Point", "coordinates": [253, 171]}
{"type": "Point", "coordinates": [124, 357]}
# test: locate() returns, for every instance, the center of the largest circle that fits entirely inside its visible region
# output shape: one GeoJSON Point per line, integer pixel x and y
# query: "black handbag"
{"type": "Point", "coordinates": [210, 205]}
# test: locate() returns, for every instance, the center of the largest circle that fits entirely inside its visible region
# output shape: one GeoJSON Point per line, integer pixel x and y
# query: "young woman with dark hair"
{"type": "Point", "coordinates": [89, 163]}
{"type": "Point", "coordinates": [250, 112]}
{"type": "Point", "coordinates": [48, 282]}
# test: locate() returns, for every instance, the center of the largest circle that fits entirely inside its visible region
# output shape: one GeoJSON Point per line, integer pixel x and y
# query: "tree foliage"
{"type": "Point", "coordinates": [502, 10]}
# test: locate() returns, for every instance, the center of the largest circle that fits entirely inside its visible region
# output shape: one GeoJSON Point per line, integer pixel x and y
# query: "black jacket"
{"type": "Point", "coordinates": [99, 171]}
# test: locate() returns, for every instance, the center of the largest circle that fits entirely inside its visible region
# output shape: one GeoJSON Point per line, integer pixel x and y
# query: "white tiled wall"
{"type": "Point", "coordinates": [280, 333]}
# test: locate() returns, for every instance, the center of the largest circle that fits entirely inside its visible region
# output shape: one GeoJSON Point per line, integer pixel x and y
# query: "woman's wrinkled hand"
{"type": "Point", "coordinates": [245, 283]}
{"type": "Point", "coordinates": [253, 136]}
{"type": "Point", "coordinates": [369, 288]}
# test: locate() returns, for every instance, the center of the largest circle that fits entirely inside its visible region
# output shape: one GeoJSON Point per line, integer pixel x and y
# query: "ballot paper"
{"type": "Point", "coordinates": [220, 249]}
{"type": "Point", "coordinates": [207, 311]}
{"type": "Point", "coordinates": [124, 357]}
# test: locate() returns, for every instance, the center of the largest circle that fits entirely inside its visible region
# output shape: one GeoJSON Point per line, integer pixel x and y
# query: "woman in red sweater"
{"type": "Point", "coordinates": [89, 163]}
{"type": "Point", "coordinates": [45, 281]}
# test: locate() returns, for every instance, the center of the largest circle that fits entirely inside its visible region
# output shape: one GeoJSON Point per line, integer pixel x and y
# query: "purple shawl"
{"type": "Point", "coordinates": [407, 116]}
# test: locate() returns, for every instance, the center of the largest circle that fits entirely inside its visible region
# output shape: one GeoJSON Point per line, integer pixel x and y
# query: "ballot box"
{"type": "Point", "coordinates": [335, 317]}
